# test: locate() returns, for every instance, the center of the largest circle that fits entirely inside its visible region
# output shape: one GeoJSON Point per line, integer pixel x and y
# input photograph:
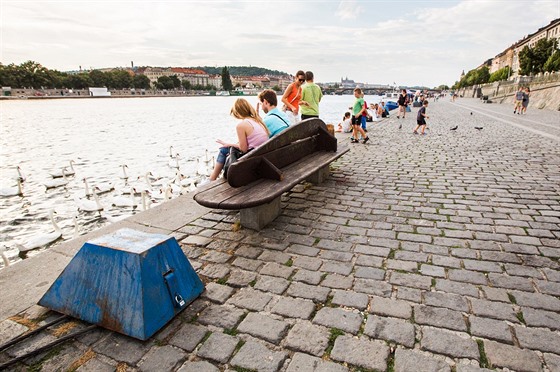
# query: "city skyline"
{"type": "Point", "coordinates": [379, 42]}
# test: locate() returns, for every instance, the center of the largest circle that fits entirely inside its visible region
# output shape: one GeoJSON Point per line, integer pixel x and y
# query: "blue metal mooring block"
{"type": "Point", "coordinates": [129, 281]}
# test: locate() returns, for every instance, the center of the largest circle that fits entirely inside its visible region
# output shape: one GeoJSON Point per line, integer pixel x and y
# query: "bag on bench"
{"type": "Point", "coordinates": [234, 155]}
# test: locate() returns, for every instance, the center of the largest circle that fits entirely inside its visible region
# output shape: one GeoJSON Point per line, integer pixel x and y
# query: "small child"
{"type": "Point", "coordinates": [346, 124]}
{"type": "Point", "coordinates": [421, 118]}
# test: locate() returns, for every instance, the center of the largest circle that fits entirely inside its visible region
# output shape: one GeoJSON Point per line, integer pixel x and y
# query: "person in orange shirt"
{"type": "Point", "coordinates": [292, 96]}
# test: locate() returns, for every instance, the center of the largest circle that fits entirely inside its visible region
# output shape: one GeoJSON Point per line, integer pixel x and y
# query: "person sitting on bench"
{"type": "Point", "coordinates": [275, 120]}
{"type": "Point", "coordinates": [251, 133]}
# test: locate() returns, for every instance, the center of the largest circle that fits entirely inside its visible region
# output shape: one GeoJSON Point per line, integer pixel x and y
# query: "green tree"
{"type": "Point", "coordinates": [98, 78]}
{"type": "Point", "coordinates": [482, 75]}
{"type": "Point", "coordinates": [226, 79]}
{"type": "Point", "coordinates": [532, 60]}
{"type": "Point", "coordinates": [276, 88]}
{"type": "Point", "coordinates": [501, 74]}
{"type": "Point", "coordinates": [186, 84]}
{"type": "Point", "coordinates": [78, 81]}
{"type": "Point", "coordinates": [553, 62]}
{"type": "Point", "coordinates": [140, 81]}
{"type": "Point", "coordinates": [442, 87]}
{"type": "Point", "coordinates": [164, 82]}
{"type": "Point", "coordinates": [175, 81]}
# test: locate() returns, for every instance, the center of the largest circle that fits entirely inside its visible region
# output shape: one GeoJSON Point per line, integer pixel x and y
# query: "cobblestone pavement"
{"type": "Point", "coordinates": [419, 253]}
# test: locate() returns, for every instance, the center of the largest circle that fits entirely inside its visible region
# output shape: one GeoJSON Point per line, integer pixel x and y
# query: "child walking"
{"type": "Point", "coordinates": [357, 111]}
{"type": "Point", "coordinates": [421, 118]}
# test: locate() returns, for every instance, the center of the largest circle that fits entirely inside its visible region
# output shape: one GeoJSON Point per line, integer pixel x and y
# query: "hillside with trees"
{"type": "Point", "coordinates": [242, 71]}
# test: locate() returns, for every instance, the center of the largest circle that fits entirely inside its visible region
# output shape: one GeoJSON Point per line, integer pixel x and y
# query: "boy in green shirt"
{"type": "Point", "coordinates": [357, 111]}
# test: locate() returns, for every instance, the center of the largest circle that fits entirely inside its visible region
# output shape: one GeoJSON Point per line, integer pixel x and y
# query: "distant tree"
{"type": "Point", "coordinates": [164, 82]}
{"type": "Point", "coordinates": [140, 81]}
{"type": "Point", "coordinates": [176, 82]}
{"type": "Point", "coordinates": [78, 81]}
{"type": "Point", "coordinates": [121, 79]}
{"type": "Point", "coordinates": [186, 84]}
{"type": "Point", "coordinates": [553, 62]}
{"type": "Point", "coordinates": [276, 88]}
{"type": "Point", "coordinates": [442, 87]}
{"type": "Point", "coordinates": [499, 75]}
{"type": "Point", "coordinates": [98, 78]}
{"type": "Point", "coordinates": [226, 79]}
{"type": "Point", "coordinates": [198, 87]}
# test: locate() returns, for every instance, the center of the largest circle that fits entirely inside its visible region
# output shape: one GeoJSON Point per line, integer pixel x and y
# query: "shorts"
{"type": "Point", "coordinates": [356, 120]}
{"type": "Point", "coordinates": [224, 152]}
{"type": "Point", "coordinates": [421, 121]}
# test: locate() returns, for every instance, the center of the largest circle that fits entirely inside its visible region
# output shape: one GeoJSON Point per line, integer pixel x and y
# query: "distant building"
{"type": "Point", "coordinates": [510, 56]}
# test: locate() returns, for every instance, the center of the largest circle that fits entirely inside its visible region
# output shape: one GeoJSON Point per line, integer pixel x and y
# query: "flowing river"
{"type": "Point", "coordinates": [99, 136]}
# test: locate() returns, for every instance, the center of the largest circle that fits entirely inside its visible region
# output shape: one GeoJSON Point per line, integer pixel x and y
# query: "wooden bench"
{"type": "Point", "coordinates": [256, 182]}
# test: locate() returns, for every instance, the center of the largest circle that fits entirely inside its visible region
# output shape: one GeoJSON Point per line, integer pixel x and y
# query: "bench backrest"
{"type": "Point", "coordinates": [291, 145]}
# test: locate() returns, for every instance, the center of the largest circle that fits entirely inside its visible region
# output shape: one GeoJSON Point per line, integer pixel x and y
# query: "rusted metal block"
{"type": "Point", "coordinates": [129, 281]}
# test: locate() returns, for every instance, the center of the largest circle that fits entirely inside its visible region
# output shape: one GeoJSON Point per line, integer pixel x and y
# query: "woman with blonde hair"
{"type": "Point", "coordinates": [251, 133]}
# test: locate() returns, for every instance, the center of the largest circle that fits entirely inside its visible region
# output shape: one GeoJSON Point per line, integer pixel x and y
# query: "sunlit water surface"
{"type": "Point", "coordinates": [100, 135]}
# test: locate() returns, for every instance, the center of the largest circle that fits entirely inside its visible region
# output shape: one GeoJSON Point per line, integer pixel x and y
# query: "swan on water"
{"type": "Point", "coordinates": [174, 162]}
{"type": "Point", "coordinates": [101, 188]}
{"type": "Point", "coordinates": [57, 182]}
{"type": "Point", "coordinates": [64, 171]}
{"type": "Point", "coordinates": [125, 202]}
{"type": "Point", "coordinates": [86, 205]}
{"type": "Point", "coordinates": [12, 191]}
{"type": "Point", "coordinates": [4, 257]}
{"type": "Point", "coordinates": [76, 228]}
{"type": "Point", "coordinates": [202, 170]}
{"type": "Point", "coordinates": [114, 219]}
{"type": "Point", "coordinates": [41, 240]}
{"type": "Point", "coordinates": [20, 174]}
{"type": "Point", "coordinates": [124, 176]}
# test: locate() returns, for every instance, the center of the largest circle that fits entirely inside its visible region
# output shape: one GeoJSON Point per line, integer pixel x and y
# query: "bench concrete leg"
{"type": "Point", "coordinates": [319, 176]}
{"type": "Point", "coordinates": [258, 217]}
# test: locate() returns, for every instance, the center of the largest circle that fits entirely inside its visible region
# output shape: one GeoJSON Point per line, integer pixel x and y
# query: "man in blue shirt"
{"type": "Point", "coordinates": [275, 120]}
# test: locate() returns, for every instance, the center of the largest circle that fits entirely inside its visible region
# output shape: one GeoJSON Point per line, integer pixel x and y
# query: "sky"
{"type": "Point", "coordinates": [408, 43]}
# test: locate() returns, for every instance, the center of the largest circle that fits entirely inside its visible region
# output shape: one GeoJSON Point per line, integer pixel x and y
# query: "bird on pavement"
{"type": "Point", "coordinates": [455, 127]}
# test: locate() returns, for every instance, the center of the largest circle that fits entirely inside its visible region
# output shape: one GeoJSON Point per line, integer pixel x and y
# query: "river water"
{"type": "Point", "coordinates": [100, 135]}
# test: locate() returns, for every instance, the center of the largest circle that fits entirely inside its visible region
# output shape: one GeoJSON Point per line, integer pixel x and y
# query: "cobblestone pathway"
{"type": "Point", "coordinates": [420, 253]}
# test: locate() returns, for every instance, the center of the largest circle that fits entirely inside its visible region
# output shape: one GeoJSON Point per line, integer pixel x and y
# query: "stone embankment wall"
{"type": "Point", "coordinates": [545, 90]}
{"type": "Point", "coordinates": [84, 93]}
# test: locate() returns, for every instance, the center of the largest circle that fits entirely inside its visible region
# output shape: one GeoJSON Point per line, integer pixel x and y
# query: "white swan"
{"type": "Point", "coordinates": [4, 257]}
{"type": "Point", "coordinates": [125, 202]}
{"type": "Point", "coordinates": [124, 176]}
{"type": "Point", "coordinates": [64, 171]}
{"type": "Point", "coordinates": [57, 182]}
{"type": "Point", "coordinates": [41, 240]}
{"type": "Point", "coordinates": [86, 205]}
{"type": "Point", "coordinates": [12, 191]}
{"type": "Point", "coordinates": [113, 219]}
{"type": "Point", "coordinates": [20, 174]}
{"type": "Point", "coordinates": [174, 162]}
{"type": "Point", "coordinates": [76, 228]}
{"type": "Point", "coordinates": [202, 170]}
{"type": "Point", "coordinates": [101, 188]}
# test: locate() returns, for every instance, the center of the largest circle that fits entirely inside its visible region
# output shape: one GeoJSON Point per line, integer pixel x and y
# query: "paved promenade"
{"type": "Point", "coordinates": [419, 253]}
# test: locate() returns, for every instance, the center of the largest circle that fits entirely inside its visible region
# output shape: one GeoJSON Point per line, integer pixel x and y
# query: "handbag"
{"type": "Point", "coordinates": [233, 156]}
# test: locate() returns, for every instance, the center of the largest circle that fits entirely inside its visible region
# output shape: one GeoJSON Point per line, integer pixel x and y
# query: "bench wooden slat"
{"type": "Point", "coordinates": [220, 195]}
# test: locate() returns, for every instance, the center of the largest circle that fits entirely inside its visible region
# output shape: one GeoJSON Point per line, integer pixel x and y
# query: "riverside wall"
{"type": "Point", "coordinates": [545, 90]}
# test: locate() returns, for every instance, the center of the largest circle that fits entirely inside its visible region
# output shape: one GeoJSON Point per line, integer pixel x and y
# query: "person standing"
{"type": "Point", "coordinates": [421, 118]}
{"type": "Point", "coordinates": [403, 103]}
{"type": "Point", "coordinates": [292, 96]}
{"type": "Point", "coordinates": [518, 101]}
{"type": "Point", "coordinates": [311, 95]}
{"type": "Point", "coordinates": [525, 100]}
{"type": "Point", "coordinates": [275, 120]}
{"type": "Point", "coordinates": [357, 111]}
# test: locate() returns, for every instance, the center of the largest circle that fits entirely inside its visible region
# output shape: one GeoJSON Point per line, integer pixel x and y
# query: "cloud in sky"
{"type": "Point", "coordinates": [406, 42]}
